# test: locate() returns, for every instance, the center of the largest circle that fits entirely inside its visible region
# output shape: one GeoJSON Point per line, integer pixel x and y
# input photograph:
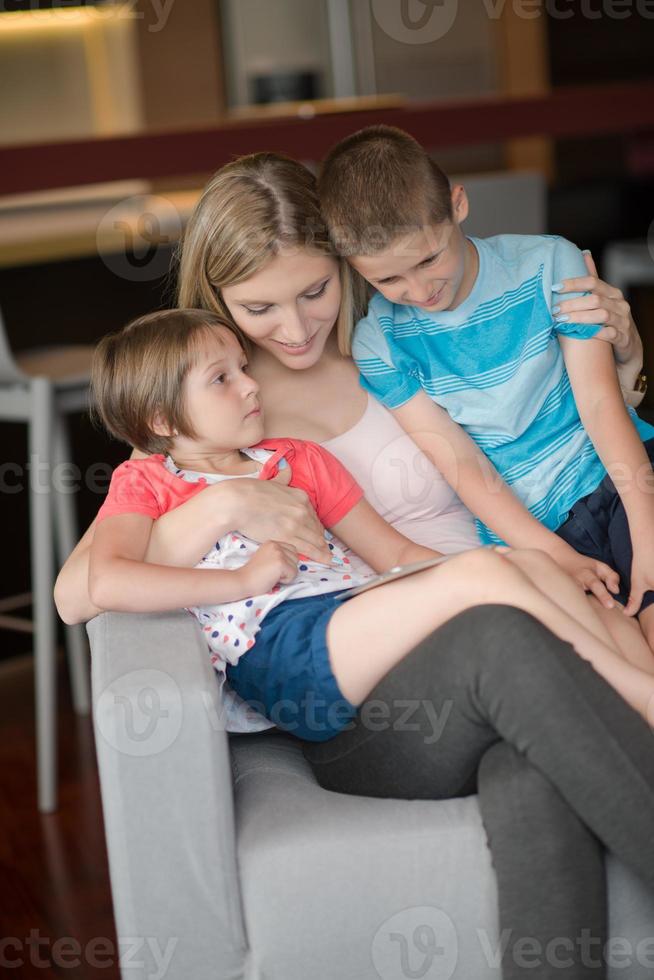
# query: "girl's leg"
{"type": "Point", "coordinates": [370, 633]}
{"type": "Point", "coordinates": [496, 674]}
{"type": "Point", "coordinates": [646, 620]}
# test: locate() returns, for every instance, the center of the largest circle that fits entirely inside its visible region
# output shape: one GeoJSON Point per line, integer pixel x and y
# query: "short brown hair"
{"type": "Point", "coordinates": [138, 373]}
{"type": "Point", "coordinates": [377, 185]}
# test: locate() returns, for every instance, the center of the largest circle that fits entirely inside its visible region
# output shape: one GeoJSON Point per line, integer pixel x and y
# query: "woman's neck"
{"type": "Point", "coordinates": [317, 403]}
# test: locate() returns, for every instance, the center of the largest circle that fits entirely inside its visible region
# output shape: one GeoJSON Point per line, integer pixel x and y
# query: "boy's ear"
{"type": "Point", "coordinates": [460, 204]}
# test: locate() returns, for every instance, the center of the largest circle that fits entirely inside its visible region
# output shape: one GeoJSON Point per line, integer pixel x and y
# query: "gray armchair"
{"type": "Point", "coordinates": [229, 861]}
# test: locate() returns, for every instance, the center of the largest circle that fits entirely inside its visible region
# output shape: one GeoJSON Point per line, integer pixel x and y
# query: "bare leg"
{"type": "Point", "coordinates": [625, 632]}
{"type": "Point", "coordinates": [646, 620]}
{"type": "Point", "coordinates": [372, 632]}
{"type": "Point", "coordinates": [557, 585]}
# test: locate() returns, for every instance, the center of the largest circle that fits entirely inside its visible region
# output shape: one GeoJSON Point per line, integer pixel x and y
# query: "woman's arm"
{"type": "Point", "coordinates": [71, 591]}
{"type": "Point", "coordinates": [605, 304]}
{"type": "Point", "coordinates": [261, 509]}
{"type": "Point", "coordinates": [120, 579]}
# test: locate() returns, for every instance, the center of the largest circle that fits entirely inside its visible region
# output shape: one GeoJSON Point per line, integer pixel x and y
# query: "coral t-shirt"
{"type": "Point", "coordinates": [147, 486]}
{"type": "Point", "coordinates": [154, 486]}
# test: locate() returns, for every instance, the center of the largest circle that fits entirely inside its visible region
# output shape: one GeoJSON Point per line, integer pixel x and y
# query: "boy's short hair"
{"type": "Point", "coordinates": [378, 185]}
{"type": "Point", "coordinates": [138, 375]}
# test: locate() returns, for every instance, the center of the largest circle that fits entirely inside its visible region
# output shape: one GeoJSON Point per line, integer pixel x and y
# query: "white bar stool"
{"type": "Point", "coordinates": [40, 387]}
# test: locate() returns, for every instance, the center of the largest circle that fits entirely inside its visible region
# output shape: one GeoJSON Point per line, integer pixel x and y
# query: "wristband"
{"type": "Point", "coordinates": [641, 383]}
{"type": "Point", "coordinates": [634, 396]}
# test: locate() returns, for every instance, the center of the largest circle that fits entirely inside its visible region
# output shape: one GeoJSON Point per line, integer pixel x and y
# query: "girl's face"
{"type": "Point", "coordinates": [289, 307]}
{"type": "Point", "coordinates": [221, 399]}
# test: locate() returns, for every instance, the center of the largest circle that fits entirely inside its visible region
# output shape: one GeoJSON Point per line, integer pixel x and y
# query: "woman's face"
{"type": "Point", "coordinates": [289, 307]}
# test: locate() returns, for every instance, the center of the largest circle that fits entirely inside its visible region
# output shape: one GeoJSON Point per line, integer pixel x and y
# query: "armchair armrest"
{"type": "Point", "coordinates": [166, 784]}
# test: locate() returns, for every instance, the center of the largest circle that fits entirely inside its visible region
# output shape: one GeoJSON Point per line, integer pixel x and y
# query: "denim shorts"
{"type": "Point", "coordinates": [287, 676]}
{"type": "Point", "coordinates": [598, 527]}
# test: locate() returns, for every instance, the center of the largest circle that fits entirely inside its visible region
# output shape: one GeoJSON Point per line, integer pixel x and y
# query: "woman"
{"type": "Point", "coordinates": [256, 250]}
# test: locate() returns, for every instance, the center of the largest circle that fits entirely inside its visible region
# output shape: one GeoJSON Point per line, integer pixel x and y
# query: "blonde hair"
{"type": "Point", "coordinates": [378, 184]}
{"type": "Point", "coordinates": [250, 210]}
{"type": "Point", "coordinates": [137, 375]}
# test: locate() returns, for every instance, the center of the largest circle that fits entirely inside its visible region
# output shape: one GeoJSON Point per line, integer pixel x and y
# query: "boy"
{"type": "Point", "coordinates": [465, 343]}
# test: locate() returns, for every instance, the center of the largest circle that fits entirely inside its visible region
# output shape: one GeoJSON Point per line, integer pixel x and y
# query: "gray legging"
{"type": "Point", "coordinates": [563, 768]}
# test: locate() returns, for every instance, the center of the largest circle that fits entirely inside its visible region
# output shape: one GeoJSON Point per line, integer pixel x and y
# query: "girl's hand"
{"type": "Point", "coordinates": [642, 579]}
{"type": "Point", "coordinates": [605, 304]}
{"type": "Point", "coordinates": [593, 576]}
{"type": "Point", "coordinates": [274, 562]}
{"type": "Point", "coordinates": [268, 509]}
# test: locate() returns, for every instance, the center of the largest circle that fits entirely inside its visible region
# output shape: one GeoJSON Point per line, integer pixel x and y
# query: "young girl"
{"type": "Point", "coordinates": [177, 383]}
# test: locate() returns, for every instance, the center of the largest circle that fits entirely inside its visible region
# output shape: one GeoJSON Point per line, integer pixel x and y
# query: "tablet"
{"type": "Point", "coordinates": [399, 571]}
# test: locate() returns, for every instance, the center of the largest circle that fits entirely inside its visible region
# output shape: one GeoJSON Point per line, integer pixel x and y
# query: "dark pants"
{"type": "Point", "coordinates": [562, 765]}
{"type": "Point", "coordinates": [598, 527]}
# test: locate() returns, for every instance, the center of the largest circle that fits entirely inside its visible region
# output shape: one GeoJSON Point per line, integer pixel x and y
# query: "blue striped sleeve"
{"type": "Point", "coordinates": [568, 263]}
{"type": "Point", "coordinates": [383, 372]}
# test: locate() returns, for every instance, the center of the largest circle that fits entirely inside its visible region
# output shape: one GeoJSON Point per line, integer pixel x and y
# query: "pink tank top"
{"type": "Point", "coordinates": [402, 484]}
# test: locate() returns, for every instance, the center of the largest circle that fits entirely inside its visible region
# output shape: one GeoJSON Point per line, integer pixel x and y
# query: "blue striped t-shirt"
{"type": "Point", "coordinates": [496, 366]}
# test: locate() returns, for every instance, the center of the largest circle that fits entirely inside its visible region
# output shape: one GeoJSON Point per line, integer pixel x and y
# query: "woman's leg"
{"type": "Point", "coordinates": [549, 869]}
{"type": "Point", "coordinates": [370, 633]}
{"type": "Point", "coordinates": [496, 674]}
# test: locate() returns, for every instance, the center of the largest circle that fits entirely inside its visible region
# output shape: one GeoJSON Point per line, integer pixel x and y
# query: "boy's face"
{"type": "Point", "coordinates": [432, 268]}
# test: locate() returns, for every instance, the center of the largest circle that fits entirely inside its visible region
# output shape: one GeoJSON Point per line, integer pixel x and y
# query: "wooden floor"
{"type": "Point", "coordinates": [55, 905]}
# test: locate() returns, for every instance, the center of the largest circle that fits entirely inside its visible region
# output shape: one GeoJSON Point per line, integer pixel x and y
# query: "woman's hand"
{"type": "Point", "coordinates": [263, 510]}
{"type": "Point", "coordinates": [604, 304]}
{"type": "Point", "coordinates": [266, 510]}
